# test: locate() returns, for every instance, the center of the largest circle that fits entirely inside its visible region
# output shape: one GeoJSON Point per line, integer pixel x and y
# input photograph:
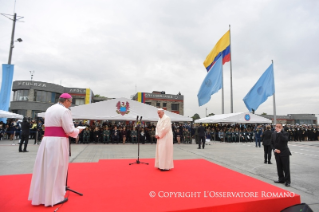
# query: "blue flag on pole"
{"type": "Point", "coordinates": [264, 88]}
{"type": "Point", "coordinates": [212, 83]}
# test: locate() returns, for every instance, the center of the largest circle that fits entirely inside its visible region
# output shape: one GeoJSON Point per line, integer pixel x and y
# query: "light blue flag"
{"type": "Point", "coordinates": [264, 88]}
{"type": "Point", "coordinates": [211, 84]}
{"type": "Point", "coordinates": [6, 85]}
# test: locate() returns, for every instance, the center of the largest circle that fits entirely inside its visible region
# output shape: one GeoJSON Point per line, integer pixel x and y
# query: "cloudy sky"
{"type": "Point", "coordinates": [118, 47]}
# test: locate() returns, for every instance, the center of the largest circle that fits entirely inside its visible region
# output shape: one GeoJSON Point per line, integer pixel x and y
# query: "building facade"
{"type": "Point", "coordinates": [32, 97]}
{"type": "Point", "coordinates": [169, 102]}
{"type": "Point", "coordinates": [294, 119]}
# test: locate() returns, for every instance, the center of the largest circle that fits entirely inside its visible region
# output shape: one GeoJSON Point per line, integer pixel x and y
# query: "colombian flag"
{"type": "Point", "coordinates": [222, 48]}
{"type": "Point", "coordinates": [141, 97]}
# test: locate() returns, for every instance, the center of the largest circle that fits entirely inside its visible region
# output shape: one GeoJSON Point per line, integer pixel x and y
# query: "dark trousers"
{"type": "Point", "coordinates": [86, 139]}
{"type": "Point", "coordinates": [25, 139]}
{"type": "Point", "coordinates": [257, 142]}
{"type": "Point", "coordinates": [116, 139]}
{"type": "Point", "coordinates": [142, 139]}
{"type": "Point", "coordinates": [106, 139]}
{"type": "Point", "coordinates": [40, 133]}
{"type": "Point", "coordinates": [196, 139]}
{"type": "Point", "coordinates": [267, 153]}
{"type": "Point", "coordinates": [201, 140]}
{"type": "Point", "coordinates": [283, 168]}
{"type": "Point", "coordinates": [153, 139]}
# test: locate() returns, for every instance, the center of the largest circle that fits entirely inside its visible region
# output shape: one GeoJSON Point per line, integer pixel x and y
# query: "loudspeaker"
{"type": "Point", "coordinates": [303, 207]}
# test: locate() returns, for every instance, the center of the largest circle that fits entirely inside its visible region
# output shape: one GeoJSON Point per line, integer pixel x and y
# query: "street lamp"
{"type": "Point", "coordinates": [15, 19]}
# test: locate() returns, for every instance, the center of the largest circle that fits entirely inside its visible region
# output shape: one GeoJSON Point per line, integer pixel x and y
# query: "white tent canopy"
{"type": "Point", "coordinates": [120, 109]}
{"type": "Point", "coordinates": [6, 114]}
{"type": "Point", "coordinates": [245, 118]}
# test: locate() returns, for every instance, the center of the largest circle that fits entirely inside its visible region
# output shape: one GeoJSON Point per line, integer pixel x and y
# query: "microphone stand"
{"type": "Point", "coordinates": [66, 182]}
{"type": "Point", "coordinates": [138, 145]}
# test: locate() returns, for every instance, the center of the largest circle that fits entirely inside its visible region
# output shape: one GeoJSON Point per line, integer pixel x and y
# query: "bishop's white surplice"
{"type": "Point", "coordinates": [52, 160]}
{"type": "Point", "coordinates": [164, 146]}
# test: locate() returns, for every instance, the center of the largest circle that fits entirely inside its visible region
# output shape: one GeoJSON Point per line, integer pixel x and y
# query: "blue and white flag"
{"type": "Point", "coordinates": [264, 88]}
{"type": "Point", "coordinates": [211, 84]}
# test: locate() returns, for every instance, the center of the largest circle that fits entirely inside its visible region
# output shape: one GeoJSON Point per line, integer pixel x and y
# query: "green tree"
{"type": "Point", "coordinates": [98, 95]}
{"type": "Point", "coordinates": [211, 114]}
{"type": "Point", "coordinates": [263, 114]}
{"type": "Point", "coordinates": [195, 116]}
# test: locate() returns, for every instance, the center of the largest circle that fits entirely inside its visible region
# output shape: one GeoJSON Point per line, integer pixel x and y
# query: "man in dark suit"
{"type": "Point", "coordinates": [201, 135]}
{"type": "Point", "coordinates": [279, 143]}
{"type": "Point", "coordinates": [25, 132]}
{"type": "Point", "coordinates": [266, 137]}
{"type": "Point", "coordinates": [115, 135]}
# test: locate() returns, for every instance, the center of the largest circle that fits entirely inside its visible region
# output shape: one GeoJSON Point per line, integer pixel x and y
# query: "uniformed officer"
{"type": "Point", "coordinates": [86, 135]}
{"type": "Point", "coordinates": [187, 136]}
{"type": "Point", "coordinates": [106, 135]}
{"type": "Point", "coordinates": [134, 136]}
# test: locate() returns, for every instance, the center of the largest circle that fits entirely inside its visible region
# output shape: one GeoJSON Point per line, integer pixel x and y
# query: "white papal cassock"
{"type": "Point", "coordinates": [52, 160]}
{"type": "Point", "coordinates": [164, 146]}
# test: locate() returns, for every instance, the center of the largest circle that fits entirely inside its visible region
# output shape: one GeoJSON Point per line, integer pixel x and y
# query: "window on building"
{"type": "Point", "coordinates": [57, 95]}
{"type": "Point", "coordinates": [164, 104]}
{"type": "Point", "coordinates": [21, 95]}
{"type": "Point", "coordinates": [79, 101]}
{"type": "Point", "coordinates": [148, 103]}
{"type": "Point", "coordinates": [53, 97]}
{"type": "Point", "coordinates": [158, 104]}
{"type": "Point", "coordinates": [175, 106]}
{"type": "Point", "coordinates": [42, 96]}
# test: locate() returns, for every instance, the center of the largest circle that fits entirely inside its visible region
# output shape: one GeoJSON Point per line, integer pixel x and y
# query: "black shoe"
{"type": "Point", "coordinates": [163, 170]}
{"type": "Point", "coordinates": [198, 148]}
{"type": "Point", "coordinates": [63, 201]}
{"type": "Point", "coordinates": [269, 162]}
{"type": "Point", "coordinates": [265, 162]}
{"type": "Point", "coordinates": [287, 184]}
{"type": "Point", "coordinates": [20, 151]}
{"type": "Point", "coordinates": [277, 181]}
{"type": "Point", "coordinates": [25, 151]}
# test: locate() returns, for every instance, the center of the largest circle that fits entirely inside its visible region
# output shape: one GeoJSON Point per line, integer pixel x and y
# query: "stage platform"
{"type": "Point", "coordinates": [114, 185]}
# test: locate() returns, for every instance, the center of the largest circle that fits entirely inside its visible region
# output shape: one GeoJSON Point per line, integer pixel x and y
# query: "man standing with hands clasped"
{"type": "Point", "coordinates": [201, 135]}
{"type": "Point", "coordinates": [164, 145]}
{"type": "Point", "coordinates": [279, 143]}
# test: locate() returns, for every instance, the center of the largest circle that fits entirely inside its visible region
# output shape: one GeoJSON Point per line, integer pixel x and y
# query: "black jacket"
{"type": "Point", "coordinates": [280, 141]}
{"type": "Point", "coordinates": [267, 137]}
{"type": "Point", "coordinates": [201, 131]}
{"type": "Point", "coordinates": [25, 128]}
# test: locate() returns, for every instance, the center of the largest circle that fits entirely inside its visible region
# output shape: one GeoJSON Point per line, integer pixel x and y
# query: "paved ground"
{"type": "Point", "coordinates": [242, 157]}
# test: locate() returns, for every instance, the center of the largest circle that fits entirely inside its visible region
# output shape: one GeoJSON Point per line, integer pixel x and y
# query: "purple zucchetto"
{"type": "Point", "coordinates": [65, 96]}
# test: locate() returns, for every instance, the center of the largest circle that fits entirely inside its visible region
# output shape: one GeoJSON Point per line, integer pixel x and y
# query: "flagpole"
{"type": "Point", "coordinates": [222, 88]}
{"type": "Point", "coordinates": [274, 106]}
{"type": "Point", "coordinates": [231, 75]}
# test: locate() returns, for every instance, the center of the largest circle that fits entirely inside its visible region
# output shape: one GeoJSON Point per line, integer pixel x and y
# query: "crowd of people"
{"type": "Point", "coordinates": [253, 132]}
{"type": "Point", "coordinates": [109, 132]}
{"type": "Point", "coordinates": [11, 130]}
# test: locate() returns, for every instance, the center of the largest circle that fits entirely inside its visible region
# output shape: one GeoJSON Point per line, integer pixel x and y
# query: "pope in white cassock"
{"type": "Point", "coordinates": [52, 160]}
{"type": "Point", "coordinates": [164, 146]}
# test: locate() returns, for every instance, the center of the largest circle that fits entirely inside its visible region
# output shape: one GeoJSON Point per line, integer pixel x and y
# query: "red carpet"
{"type": "Point", "coordinates": [113, 185]}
